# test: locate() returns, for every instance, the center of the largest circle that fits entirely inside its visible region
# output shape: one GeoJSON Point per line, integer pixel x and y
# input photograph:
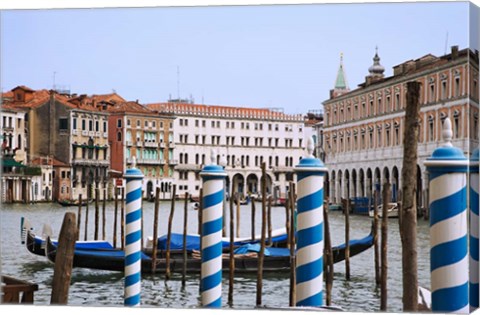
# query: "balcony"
{"type": "Point", "coordinates": [75, 132]}
{"type": "Point", "coordinates": [84, 133]}
{"type": "Point", "coordinates": [151, 144]}
{"type": "Point", "coordinates": [172, 162]}
{"type": "Point", "coordinates": [148, 162]}
{"type": "Point", "coordinates": [91, 162]}
{"type": "Point", "coordinates": [105, 134]}
{"type": "Point", "coordinates": [282, 169]}
{"type": "Point", "coordinates": [161, 145]}
{"type": "Point", "coordinates": [129, 143]}
{"type": "Point", "coordinates": [98, 134]}
{"type": "Point", "coordinates": [139, 144]}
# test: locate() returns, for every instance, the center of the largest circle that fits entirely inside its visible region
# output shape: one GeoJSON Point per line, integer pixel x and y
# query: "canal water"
{"type": "Point", "coordinates": [104, 288]}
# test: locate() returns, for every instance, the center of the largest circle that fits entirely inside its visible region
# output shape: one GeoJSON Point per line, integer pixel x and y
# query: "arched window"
{"type": "Point", "coordinates": [119, 136]}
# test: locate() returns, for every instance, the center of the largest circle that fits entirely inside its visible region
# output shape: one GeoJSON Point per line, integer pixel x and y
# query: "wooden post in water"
{"type": "Point", "coordinates": [199, 214]}
{"type": "Point", "coordinates": [104, 215]}
{"type": "Point", "coordinates": [287, 214]}
{"type": "Point", "coordinates": [115, 215]}
{"type": "Point", "coordinates": [231, 271]}
{"type": "Point", "coordinates": [328, 256]}
{"type": "Point", "coordinates": [97, 213]}
{"type": "Point", "coordinates": [155, 230]}
{"type": "Point", "coordinates": [253, 219]}
{"type": "Point", "coordinates": [408, 212]}
{"type": "Point", "coordinates": [185, 222]}
{"type": "Point", "coordinates": [141, 222]}
{"type": "Point", "coordinates": [347, 239]}
{"type": "Point", "coordinates": [62, 273]}
{"type": "Point", "coordinates": [376, 247]}
{"type": "Point", "coordinates": [169, 234]}
{"type": "Point", "coordinates": [86, 217]}
{"type": "Point", "coordinates": [293, 290]}
{"type": "Point", "coordinates": [269, 215]}
{"type": "Point", "coordinates": [122, 218]}
{"type": "Point", "coordinates": [79, 217]}
{"type": "Point", "coordinates": [384, 264]}
{"type": "Point", "coordinates": [261, 254]}
{"type": "Point", "coordinates": [238, 213]}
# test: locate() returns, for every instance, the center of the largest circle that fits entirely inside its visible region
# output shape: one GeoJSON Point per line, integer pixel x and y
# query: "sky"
{"type": "Point", "coordinates": [280, 56]}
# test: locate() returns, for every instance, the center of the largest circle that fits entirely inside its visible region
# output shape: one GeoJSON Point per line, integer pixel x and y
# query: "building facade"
{"type": "Point", "coordinates": [364, 128]}
{"type": "Point", "coordinates": [68, 128]}
{"type": "Point", "coordinates": [243, 138]}
{"type": "Point", "coordinates": [136, 131]}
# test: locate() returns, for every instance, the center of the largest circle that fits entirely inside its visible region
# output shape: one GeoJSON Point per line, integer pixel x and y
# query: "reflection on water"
{"type": "Point", "coordinates": [103, 288]}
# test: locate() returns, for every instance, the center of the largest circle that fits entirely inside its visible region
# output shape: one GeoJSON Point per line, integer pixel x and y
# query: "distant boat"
{"type": "Point", "coordinates": [392, 211]}
{"type": "Point", "coordinates": [73, 203]}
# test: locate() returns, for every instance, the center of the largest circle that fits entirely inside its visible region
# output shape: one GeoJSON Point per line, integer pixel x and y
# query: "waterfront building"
{"type": "Point", "coordinates": [69, 128]}
{"type": "Point", "coordinates": [363, 128]}
{"type": "Point", "coordinates": [16, 177]}
{"type": "Point", "coordinates": [242, 137]}
{"type": "Point", "coordinates": [136, 131]}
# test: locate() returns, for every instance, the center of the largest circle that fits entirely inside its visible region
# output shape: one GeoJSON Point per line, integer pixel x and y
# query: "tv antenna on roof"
{"type": "Point", "coordinates": [178, 82]}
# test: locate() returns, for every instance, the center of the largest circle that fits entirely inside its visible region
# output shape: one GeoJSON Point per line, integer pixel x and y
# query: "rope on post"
{"type": "Point", "coordinates": [309, 262]}
{"type": "Point", "coordinates": [212, 225]}
{"type": "Point", "coordinates": [447, 169]}
{"type": "Point", "coordinates": [474, 230]}
{"type": "Point", "coordinates": [133, 217]}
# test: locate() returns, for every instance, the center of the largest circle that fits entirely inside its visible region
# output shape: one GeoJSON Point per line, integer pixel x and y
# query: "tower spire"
{"type": "Point", "coordinates": [341, 84]}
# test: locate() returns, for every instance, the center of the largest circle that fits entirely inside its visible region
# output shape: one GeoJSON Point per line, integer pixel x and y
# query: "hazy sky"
{"type": "Point", "coordinates": [261, 56]}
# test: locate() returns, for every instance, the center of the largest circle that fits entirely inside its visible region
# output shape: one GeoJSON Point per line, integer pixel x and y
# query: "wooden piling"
{"type": "Point", "coordinates": [328, 257]}
{"type": "Point", "coordinates": [384, 263]}
{"type": "Point", "coordinates": [62, 273]}
{"type": "Point", "coordinates": [269, 219]}
{"type": "Point", "coordinates": [185, 223]}
{"type": "Point", "coordinates": [287, 215]}
{"type": "Point", "coordinates": [199, 214]}
{"type": "Point", "coordinates": [86, 217]}
{"type": "Point", "coordinates": [261, 254]}
{"type": "Point", "coordinates": [155, 230]}
{"type": "Point", "coordinates": [115, 215]}
{"type": "Point", "coordinates": [79, 216]}
{"type": "Point", "coordinates": [293, 284]}
{"type": "Point", "coordinates": [231, 272]}
{"type": "Point", "coordinates": [347, 239]}
{"type": "Point", "coordinates": [376, 248]}
{"type": "Point", "coordinates": [97, 214]}
{"type": "Point", "coordinates": [122, 218]}
{"type": "Point", "coordinates": [104, 215]}
{"type": "Point", "coordinates": [238, 213]}
{"type": "Point", "coordinates": [169, 234]}
{"type": "Point", "coordinates": [408, 212]}
{"type": "Point", "coordinates": [253, 220]}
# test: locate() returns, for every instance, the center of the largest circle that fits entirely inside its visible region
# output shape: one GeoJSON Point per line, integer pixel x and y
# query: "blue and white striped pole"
{"type": "Point", "coordinates": [133, 235]}
{"type": "Point", "coordinates": [474, 231]}
{"type": "Point", "coordinates": [310, 231]}
{"type": "Point", "coordinates": [212, 223]}
{"type": "Point", "coordinates": [447, 168]}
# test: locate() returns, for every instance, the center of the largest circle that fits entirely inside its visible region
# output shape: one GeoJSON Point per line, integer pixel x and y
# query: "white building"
{"type": "Point", "coordinates": [246, 137]}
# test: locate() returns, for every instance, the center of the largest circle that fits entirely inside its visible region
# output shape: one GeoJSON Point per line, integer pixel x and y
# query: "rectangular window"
{"type": "Point", "coordinates": [119, 123]}
{"type": "Point", "coordinates": [74, 122]}
{"type": "Point", "coordinates": [63, 124]}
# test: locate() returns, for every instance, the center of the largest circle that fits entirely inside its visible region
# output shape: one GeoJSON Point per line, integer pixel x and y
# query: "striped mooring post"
{"type": "Point", "coordinates": [212, 224]}
{"type": "Point", "coordinates": [133, 232]}
{"type": "Point", "coordinates": [474, 230]}
{"type": "Point", "coordinates": [447, 168]}
{"type": "Point", "coordinates": [310, 231]}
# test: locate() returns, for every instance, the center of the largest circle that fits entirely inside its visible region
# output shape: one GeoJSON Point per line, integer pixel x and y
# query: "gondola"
{"type": "Point", "coordinates": [246, 258]}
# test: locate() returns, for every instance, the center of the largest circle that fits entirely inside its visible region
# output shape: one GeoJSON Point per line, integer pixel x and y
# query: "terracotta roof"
{"type": "Point", "coordinates": [23, 87]}
{"type": "Point", "coordinates": [43, 160]}
{"type": "Point", "coordinates": [220, 110]}
{"type": "Point", "coordinates": [130, 107]}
